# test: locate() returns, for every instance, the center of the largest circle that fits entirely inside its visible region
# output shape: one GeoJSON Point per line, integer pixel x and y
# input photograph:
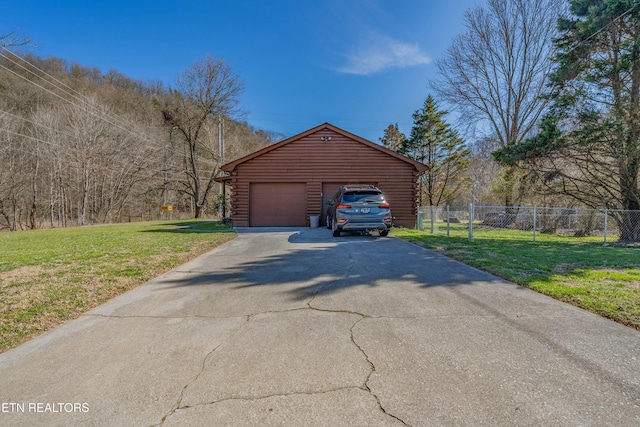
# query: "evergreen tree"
{"type": "Point", "coordinates": [434, 143]}
{"type": "Point", "coordinates": [393, 138]}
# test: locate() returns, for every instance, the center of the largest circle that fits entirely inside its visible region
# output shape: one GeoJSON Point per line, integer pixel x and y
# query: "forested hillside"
{"type": "Point", "coordinates": [81, 146]}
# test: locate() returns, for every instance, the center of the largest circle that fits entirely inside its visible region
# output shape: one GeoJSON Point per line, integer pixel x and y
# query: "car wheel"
{"type": "Point", "coordinates": [384, 233]}
{"type": "Point", "coordinates": [334, 227]}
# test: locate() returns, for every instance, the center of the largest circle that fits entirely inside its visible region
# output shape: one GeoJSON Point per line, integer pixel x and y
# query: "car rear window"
{"type": "Point", "coordinates": [361, 196]}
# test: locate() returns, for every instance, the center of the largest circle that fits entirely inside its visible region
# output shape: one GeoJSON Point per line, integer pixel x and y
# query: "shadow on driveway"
{"type": "Point", "coordinates": [320, 264]}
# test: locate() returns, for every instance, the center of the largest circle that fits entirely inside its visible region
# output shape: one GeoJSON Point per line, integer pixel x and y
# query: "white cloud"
{"type": "Point", "coordinates": [381, 54]}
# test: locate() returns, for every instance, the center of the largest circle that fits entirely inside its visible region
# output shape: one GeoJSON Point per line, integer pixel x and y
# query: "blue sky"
{"type": "Point", "coordinates": [358, 64]}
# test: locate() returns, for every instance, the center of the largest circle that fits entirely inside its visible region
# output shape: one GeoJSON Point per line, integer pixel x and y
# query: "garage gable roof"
{"type": "Point", "coordinates": [229, 167]}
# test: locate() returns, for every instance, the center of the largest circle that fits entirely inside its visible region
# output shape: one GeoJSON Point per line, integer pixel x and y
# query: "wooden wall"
{"type": "Point", "coordinates": [313, 160]}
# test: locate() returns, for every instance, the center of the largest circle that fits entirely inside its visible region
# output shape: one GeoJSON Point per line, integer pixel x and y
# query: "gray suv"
{"type": "Point", "coordinates": [361, 208]}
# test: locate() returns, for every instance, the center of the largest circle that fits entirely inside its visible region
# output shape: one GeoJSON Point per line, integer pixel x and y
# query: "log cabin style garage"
{"type": "Point", "coordinates": [287, 182]}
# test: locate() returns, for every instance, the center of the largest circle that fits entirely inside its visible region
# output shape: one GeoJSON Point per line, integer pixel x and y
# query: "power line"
{"type": "Point", "coordinates": [77, 138]}
{"type": "Point", "coordinates": [104, 115]}
{"type": "Point", "coordinates": [609, 24]}
{"type": "Point", "coordinates": [67, 161]}
{"type": "Point", "coordinates": [124, 163]}
{"type": "Point", "coordinates": [79, 96]}
{"type": "Point", "coordinates": [96, 111]}
{"type": "Point", "coordinates": [101, 113]}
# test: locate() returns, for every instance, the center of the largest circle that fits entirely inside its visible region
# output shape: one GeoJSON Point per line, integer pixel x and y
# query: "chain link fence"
{"type": "Point", "coordinates": [529, 222]}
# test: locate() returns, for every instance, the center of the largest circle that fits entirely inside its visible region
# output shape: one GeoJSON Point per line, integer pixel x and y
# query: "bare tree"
{"type": "Point", "coordinates": [207, 91]}
{"type": "Point", "coordinates": [89, 132]}
{"type": "Point", "coordinates": [13, 183]}
{"type": "Point", "coordinates": [13, 39]}
{"type": "Point", "coordinates": [496, 72]}
{"type": "Point", "coordinates": [484, 172]}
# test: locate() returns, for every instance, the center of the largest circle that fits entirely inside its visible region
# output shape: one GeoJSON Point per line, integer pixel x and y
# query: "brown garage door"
{"type": "Point", "coordinates": [277, 204]}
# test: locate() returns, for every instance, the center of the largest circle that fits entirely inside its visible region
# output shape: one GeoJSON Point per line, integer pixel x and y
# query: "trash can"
{"type": "Point", "coordinates": [314, 221]}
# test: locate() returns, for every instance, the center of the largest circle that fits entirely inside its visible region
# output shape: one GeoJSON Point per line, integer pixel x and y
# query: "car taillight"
{"type": "Point", "coordinates": [344, 206]}
{"type": "Point", "coordinates": [384, 206]}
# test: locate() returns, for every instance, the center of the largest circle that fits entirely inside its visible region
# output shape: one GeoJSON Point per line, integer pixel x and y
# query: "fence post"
{"type": "Point", "coordinates": [534, 224]}
{"type": "Point", "coordinates": [471, 217]}
{"type": "Point", "coordinates": [448, 220]}
{"type": "Point", "coordinates": [432, 219]}
{"type": "Point", "coordinates": [605, 227]}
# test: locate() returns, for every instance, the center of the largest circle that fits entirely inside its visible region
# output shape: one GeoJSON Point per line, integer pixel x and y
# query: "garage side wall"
{"type": "Point", "coordinates": [315, 159]}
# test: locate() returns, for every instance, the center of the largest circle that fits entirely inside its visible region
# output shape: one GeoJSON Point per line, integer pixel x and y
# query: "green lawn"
{"type": "Point", "coordinates": [579, 271]}
{"type": "Point", "coordinates": [50, 276]}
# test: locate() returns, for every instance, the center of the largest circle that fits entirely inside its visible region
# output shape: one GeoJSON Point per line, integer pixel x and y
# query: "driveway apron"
{"type": "Point", "coordinates": [291, 326]}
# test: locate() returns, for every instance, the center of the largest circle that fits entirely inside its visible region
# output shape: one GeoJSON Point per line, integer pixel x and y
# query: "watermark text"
{"type": "Point", "coordinates": [44, 407]}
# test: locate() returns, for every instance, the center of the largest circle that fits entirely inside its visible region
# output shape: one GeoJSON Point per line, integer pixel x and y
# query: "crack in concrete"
{"type": "Point", "coordinates": [345, 276]}
{"type": "Point", "coordinates": [202, 368]}
{"type": "Point", "coordinates": [363, 316]}
{"type": "Point", "coordinates": [267, 396]}
{"type": "Point", "coordinates": [365, 386]}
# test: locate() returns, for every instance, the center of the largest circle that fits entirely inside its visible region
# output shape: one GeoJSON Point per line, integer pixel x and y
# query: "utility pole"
{"type": "Point", "coordinates": [221, 139]}
{"type": "Point", "coordinates": [222, 197]}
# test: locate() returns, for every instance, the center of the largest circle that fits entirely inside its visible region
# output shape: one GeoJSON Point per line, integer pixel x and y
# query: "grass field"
{"type": "Point", "coordinates": [579, 271]}
{"type": "Point", "coordinates": [50, 276]}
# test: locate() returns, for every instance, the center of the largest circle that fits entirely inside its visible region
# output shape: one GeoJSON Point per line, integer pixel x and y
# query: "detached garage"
{"type": "Point", "coordinates": [285, 183]}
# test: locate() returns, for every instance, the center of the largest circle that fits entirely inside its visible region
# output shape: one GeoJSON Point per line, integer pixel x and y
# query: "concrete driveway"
{"type": "Point", "coordinates": [295, 327]}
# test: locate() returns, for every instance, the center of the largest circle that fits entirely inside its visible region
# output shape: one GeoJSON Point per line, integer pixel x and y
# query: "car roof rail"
{"type": "Point", "coordinates": [357, 187]}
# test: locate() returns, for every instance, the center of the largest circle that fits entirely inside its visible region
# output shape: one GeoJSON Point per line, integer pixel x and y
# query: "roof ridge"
{"type": "Point", "coordinates": [228, 167]}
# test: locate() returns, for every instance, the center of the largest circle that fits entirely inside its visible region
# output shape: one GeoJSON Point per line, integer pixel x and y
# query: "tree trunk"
{"type": "Point", "coordinates": [629, 222]}
{"type": "Point", "coordinates": [509, 185]}
{"type": "Point", "coordinates": [82, 217]}
{"type": "Point", "coordinates": [629, 225]}
{"type": "Point", "coordinates": [34, 191]}
{"type": "Point", "coordinates": [199, 211]}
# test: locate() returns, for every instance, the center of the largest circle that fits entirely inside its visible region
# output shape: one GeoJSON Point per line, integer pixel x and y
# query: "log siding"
{"type": "Point", "coordinates": [326, 154]}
